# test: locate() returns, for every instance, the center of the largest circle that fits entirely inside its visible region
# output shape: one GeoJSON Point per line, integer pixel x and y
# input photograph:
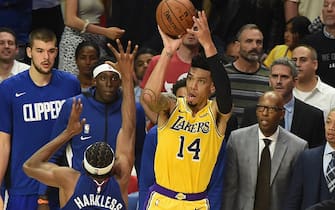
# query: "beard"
{"type": "Point", "coordinates": [254, 57]}
{"type": "Point", "coordinates": [39, 69]}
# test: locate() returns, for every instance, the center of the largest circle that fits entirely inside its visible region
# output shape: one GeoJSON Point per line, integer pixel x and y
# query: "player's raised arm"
{"type": "Point", "coordinates": [38, 167]}
{"type": "Point", "coordinates": [125, 152]}
{"type": "Point", "coordinates": [218, 73]}
{"type": "Point", "coordinates": [151, 94]}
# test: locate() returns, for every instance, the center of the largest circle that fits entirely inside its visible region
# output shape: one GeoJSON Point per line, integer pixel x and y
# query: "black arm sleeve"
{"type": "Point", "coordinates": [221, 83]}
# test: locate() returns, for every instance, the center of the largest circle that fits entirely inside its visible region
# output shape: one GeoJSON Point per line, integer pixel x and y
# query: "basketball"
{"type": "Point", "coordinates": [175, 16]}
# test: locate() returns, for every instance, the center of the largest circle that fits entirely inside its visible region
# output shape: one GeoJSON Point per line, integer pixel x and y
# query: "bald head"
{"type": "Point", "coordinates": [270, 112]}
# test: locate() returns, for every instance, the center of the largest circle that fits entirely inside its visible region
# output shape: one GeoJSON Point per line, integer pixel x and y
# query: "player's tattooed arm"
{"type": "Point", "coordinates": [160, 102]}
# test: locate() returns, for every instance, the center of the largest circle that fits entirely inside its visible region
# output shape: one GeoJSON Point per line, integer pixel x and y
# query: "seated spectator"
{"type": "Point", "coordinates": [296, 30]}
{"type": "Point", "coordinates": [231, 52]}
{"type": "Point", "coordinates": [86, 55]}
{"type": "Point", "coordinates": [8, 51]}
{"type": "Point", "coordinates": [142, 60]}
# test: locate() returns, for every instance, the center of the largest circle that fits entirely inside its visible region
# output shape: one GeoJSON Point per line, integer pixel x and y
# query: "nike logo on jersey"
{"type": "Point", "coordinates": [83, 138]}
{"type": "Point", "coordinates": [19, 94]}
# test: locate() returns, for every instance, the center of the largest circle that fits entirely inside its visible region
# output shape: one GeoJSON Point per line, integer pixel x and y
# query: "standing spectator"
{"type": "Point", "coordinates": [309, 8]}
{"type": "Point", "coordinates": [310, 88]}
{"type": "Point", "coordinates": [310, 127]}
{"type": "Point", "coordinates": [82, 19]}
{"type": "Point", "coordinates": [296, 30]}
{"type": "Point", "coordinates": [48, 14]}
{"type": "Point", "coordinates": [307, 190]}
{"type": "Point", "coordinates": [78, 124]}
{"type": "Point", "coordinates": [260, 160]}
{"type": "Point", "coordinates": [323, 42]}
{"type": "Point", "coordinates": [16, 15]}
{"type": "Point", "coordinates": [178, 67]}
{"type": "Point", "coordinates": [248, 77]}
{"type": "Point", "coordinates": [8, 51]}
{"type": "Point", "coordinates": [142, 60]}
{"type": "Point", "coordinates": [267, 14]}
{"type": "Point", "coordinates": [30, 103]}
{"type": "Point", "coordinates": [185, 125]}
{"type": "Point", "coordinates": [87, 54]}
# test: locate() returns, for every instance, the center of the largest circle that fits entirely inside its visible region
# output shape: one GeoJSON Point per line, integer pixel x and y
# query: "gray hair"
{"type": "Point", "coordinates": [246, 27]}
{"type": "Point", "coordinates": [286, 62]}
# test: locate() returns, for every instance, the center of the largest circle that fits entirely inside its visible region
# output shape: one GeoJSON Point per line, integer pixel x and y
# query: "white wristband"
{"type": "Point", "coordinates": [85, 26]}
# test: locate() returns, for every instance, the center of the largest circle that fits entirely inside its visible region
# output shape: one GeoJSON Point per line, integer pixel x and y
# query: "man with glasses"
{"type": "Point", "coordinates": [310, 127]}
{"type": "Point", "coordinates": [252, 148]}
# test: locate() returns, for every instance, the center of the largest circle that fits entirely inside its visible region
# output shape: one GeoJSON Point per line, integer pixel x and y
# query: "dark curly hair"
{"type": "Point", "coordinates": [99, 155]}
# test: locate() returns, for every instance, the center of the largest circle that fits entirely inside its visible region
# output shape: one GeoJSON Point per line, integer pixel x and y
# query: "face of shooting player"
{"type": "Point", "coordinates": [199, 86]}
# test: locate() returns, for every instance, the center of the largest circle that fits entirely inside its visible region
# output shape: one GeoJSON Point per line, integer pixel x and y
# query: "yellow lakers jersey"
{"type": "Point", "coordinates": [187, 149]}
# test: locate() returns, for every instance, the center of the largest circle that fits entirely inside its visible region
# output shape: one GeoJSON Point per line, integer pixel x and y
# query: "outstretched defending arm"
{"type": "Point", "coordinates": [125, 152]}
{"type": "Point", "coordinates": [38, 167]}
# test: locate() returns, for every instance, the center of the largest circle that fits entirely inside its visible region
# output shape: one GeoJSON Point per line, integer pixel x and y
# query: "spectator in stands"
{"type": "Point", "coordinates": [310, 127]}
{"type": "Point", "coordinates": [8, 51]}
{"type": "Point", "coordinates": [323, 42]}
{"type": "Point", "coordinates": [313, 176]}
{"type": "Point", "coordinates": [309, 8]}
{"type": "Point", "coordinates": [86, 55]}
{"type": "Point", "coordinates": [296, 30]}
{"type": "Point", "coordinates": [142, 60]}
{"type": "Point", "coordinates": [310, 88]}
{"type": "Point", "coordinates": [82, 22]}
{"type": "Point", "coordinates": [16, 15]}
{"type": "Point", "coordinates": [248, 76]}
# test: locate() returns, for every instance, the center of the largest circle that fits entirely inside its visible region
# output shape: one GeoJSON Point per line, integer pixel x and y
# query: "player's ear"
{"type": "Point", "coordinates": [28, 51]}
{"type": "Point", "coordinates": [212, 88]}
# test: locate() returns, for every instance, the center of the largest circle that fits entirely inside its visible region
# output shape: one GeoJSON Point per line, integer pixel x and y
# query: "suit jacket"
{"type": "Point", "coordinates": [324, 205]}
{"type": "Point", "coordinates": [308, 185]}
{"type": "Point", "coordinates": [307, 122]}
{"type": "Point", "coordinates": [242, 163]}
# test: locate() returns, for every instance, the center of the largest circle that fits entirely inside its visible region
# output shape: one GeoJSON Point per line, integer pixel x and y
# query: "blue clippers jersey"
{"type": "Point", "coordinates": [85, 195]}
{"type": "Point", "coordinates": [28, 113]}
{"type": "Point", "coordinates": [103, 122]}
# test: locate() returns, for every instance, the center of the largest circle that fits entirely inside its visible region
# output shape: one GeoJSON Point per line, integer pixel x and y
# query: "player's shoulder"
{"type": "Point", "coordinates": [17, 80]}
{"type": "Point", "coordinates": [59, 74]}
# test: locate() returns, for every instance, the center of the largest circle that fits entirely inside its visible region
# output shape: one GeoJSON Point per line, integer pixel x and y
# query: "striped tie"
{"type": "Point", "coordinates": [330, 174]}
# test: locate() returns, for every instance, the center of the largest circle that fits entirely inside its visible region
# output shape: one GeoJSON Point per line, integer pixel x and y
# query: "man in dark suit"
{"type": "Point", "coordinates": [309, 184]}
{"type": "Point", "coordinates": [244, 153]}
{"type": "Point", "coordinates": [301, 119]}
{"type": "Point", "coordinates": [324, 205]}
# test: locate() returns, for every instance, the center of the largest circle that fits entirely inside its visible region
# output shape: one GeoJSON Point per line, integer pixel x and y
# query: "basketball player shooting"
{"type": "Point", "coordinates": [190, 129]}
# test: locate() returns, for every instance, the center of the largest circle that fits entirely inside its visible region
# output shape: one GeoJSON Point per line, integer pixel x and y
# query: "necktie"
{"type": "Point", "coordinates": [330, 173]}
{"type": "Point", "coordinates": [262, 195]}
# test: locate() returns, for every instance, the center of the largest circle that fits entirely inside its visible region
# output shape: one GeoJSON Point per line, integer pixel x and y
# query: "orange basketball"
{"type": "Point", "coordinates": [175, 16]}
